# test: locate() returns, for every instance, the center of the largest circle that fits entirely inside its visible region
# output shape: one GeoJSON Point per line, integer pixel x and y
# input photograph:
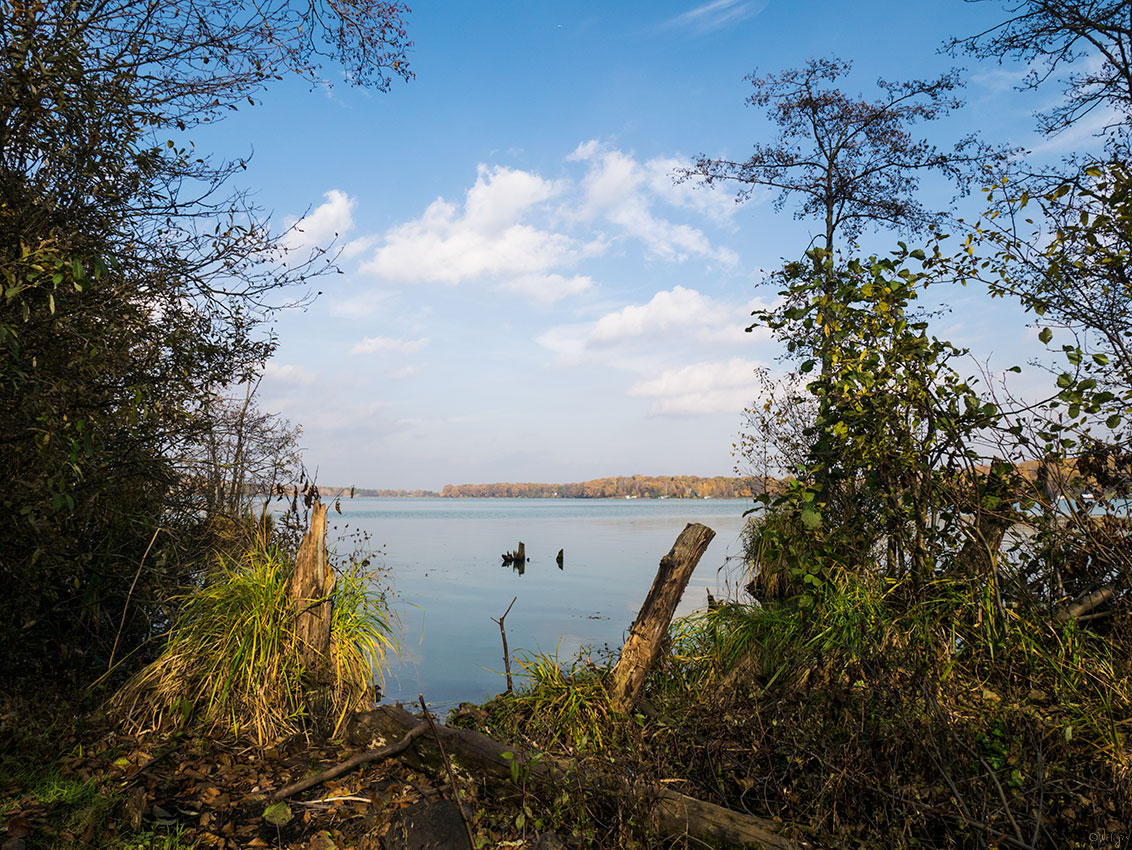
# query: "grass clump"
{"type": "Point", "coordinates": [231, 662]}
{"type": "Point", "coordinates": [565, 710]}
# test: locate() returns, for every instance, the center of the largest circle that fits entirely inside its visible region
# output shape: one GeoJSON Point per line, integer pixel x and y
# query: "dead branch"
{"type": "Point", "coordinates": [352, 762]}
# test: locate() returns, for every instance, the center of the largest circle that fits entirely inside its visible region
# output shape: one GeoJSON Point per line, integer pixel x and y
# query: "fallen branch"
{"type": "Point", "coordinates": [448, 770]}
{"type": "Point", "coordinates": [1086, 603]}
{"type": "Point", "coordinates": [352, 762]}
{"type": "Point", "coordinates": [672, 813]}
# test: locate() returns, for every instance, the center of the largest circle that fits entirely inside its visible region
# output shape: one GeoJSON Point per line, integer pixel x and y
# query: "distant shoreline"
{"type": "Point", "coordinates": [344, 493]}
{"type": "Point", "coordinates": [620, 487]}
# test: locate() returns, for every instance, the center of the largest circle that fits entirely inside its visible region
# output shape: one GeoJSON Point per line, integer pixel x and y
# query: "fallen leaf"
{"type": "Point", "coordinates": [18, 827]}
{"type": "Point", "coordinates": [277, 814]}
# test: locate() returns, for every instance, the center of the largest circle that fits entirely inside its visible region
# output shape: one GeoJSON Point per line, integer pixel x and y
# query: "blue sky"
{"type": "Point", "coordinates": [526, 294]}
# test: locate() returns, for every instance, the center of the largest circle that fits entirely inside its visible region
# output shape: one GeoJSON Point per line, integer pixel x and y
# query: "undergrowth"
{"type": "Point", "coordinates": [868, 717]}
{"type": "Point", "coordinates": [231, 663]}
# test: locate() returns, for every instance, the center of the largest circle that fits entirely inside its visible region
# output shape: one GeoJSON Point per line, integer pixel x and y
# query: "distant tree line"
{"type": "Point", "coordinates": [632, 486]}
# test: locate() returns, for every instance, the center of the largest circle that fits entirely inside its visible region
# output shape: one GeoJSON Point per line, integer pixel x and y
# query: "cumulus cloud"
{"type": "Point", "coordinates": [286, 373]}
{"type": "Point", "coordinates": [670, 315]}
{"type": "Point", "coordinates": [523, 233]}
{"type": "Point", "coordinates": [674, 309]}
{"type": "Point", "coordinates": [375, 344]}
{"type": "Point", "coordinates": [489, 238]}
{"type": "Point", "coordinates": [620, 190]}
{"type": "Point", "coordinates": [319, 228]}
{"type": "Point", "coordinates": [701, 388]}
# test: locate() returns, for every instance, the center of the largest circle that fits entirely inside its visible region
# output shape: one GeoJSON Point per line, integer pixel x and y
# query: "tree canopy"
{"type": "Point", "coordinates": [137, 278]}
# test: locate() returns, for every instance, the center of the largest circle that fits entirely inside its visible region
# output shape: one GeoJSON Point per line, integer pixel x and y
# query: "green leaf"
{"type": "Point", "coordinates": [1113, 421]}
{"type": "Point", "coordinates": [811, 519]}
{"type": "Point", "coordinates": [1045, 336]}
{"type": "Point", "coordinates": [1065, 380]}
{"type": "Point", "coordinates": [277, 814]}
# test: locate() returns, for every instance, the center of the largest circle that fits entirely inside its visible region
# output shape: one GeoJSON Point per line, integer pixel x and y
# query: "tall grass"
{"type": "Point", "coordinates": [231, 663]}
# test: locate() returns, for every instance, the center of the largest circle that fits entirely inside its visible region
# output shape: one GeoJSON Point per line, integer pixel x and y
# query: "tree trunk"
{"type": "Point", "coordinates": [312, 592]}
{"type": "Point", "coordinates": [480, 756]}
{"type": "Point", "coordinates": [646, 637]}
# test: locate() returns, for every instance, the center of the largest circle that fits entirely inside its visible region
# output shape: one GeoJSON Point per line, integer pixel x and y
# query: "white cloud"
{"type": "Point", "coordinates": [526, 234]}
{"type": "Point", "coordinates": [715, 15]}
{"type": "Point", "coordinates": [362, 305]}
{"type": "Point", "coordinates": [622, 191]}
{"type": "Point", "coordinates": [668, 309]}
{"type": "Point", "coordinates": [288, 374]}
{"type": "Point", "coordinates": [375, 344]}
{"type": "Point", "coordinates": [688, 193]}
{"type": "Point", "coordinates": [403, 373]}
{"type": "Point", "coordinates": [318, 229]}
{"type": "Point", "coordinates": [675, 311]}
{"type": "Point", "coordinates": [701, 388]}
{"type": "Point", "coordinates": [488, 239]}
{"type": "Point", "coordinates": [547, 288]}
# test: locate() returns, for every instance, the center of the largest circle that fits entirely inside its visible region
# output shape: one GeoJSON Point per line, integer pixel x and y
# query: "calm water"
{"type": "Point", "coordinates": [443, 561]}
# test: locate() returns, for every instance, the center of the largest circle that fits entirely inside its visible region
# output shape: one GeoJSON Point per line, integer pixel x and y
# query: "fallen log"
{"type": "Point", "coordinates": [647, 634]}
{"type": "Point", "coordinates": [1085, 603]}
{"type": "Point", "coordinates": [479, 756]}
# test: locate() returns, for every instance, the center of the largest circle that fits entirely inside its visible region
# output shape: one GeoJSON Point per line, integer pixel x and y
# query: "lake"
{"type": "Point", "coordinates": [442, 559]}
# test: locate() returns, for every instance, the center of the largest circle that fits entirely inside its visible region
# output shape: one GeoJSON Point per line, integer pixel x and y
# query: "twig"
{"type": "Point", "coordinates": [1002, 797]}
{"type": "Point", "coordinates": [1041, 795]}
{"type": "Point", "coordinates": [448, 766]}
{"type": "Point", "coordinates": [326, 801]}
{"type": "Point", "coordinates": [503, 634]}
{"type": "Point", "coordinates": [351, 763]}
{"type": "Point", "coordinates": [133, 584]}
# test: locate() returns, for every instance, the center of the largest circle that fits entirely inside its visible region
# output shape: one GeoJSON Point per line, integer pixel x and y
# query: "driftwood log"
{"type": "Point", "coordinates": [312, 593]}
{"type": "Point", "coordinates": [647, 634]}
{"type": "Point", "coordinates": [479, 756]}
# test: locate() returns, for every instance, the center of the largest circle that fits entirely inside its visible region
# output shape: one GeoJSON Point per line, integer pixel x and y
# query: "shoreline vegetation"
{"type": "Point", "coordinates": [613, 487]}
{"type": "Point", "coordinates": [894, 666]}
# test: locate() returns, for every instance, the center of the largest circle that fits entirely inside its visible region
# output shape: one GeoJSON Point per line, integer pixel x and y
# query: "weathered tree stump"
{"type": "Point", "coordinates": [646, 636]}
{"type": "Point", "coordinates": [312, 593]}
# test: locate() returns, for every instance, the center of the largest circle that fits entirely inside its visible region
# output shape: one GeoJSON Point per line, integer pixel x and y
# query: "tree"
{"type": "Point", "coordinates": [894, 424]}
{"type": "Point", "coordinates": [854, 162]}
{"type": "Point", "coordinates": [1050, 36]}
{"type": "Point", "coordinates": [135, 277]}
{"type": "Point", "coordinates": [245, 452]}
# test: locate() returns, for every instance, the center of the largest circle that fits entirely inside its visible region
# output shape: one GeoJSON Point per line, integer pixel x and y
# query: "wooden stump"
{"type": "Point", "coordinates": [647, 634]}
{"type": "Point", "coordinates": [312, 593]}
